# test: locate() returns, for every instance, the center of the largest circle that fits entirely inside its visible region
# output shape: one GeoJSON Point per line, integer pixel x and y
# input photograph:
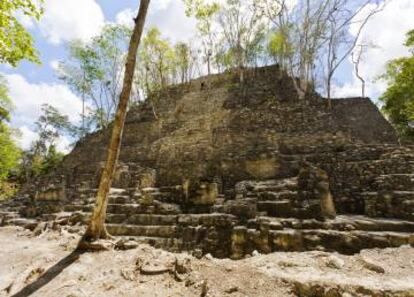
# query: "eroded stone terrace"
{"type": "Point", "coordinates": [230, 169]}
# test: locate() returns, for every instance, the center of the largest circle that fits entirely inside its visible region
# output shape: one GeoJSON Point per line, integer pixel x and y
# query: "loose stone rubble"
{"type": "Point", "coordinates": [230, 169]}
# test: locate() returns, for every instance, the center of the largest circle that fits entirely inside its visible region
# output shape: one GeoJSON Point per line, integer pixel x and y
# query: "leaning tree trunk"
{"type": "Point", "coordinates": [96, 228]}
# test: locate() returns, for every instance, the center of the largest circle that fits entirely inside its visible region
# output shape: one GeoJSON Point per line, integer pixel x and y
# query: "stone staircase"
{"type": "Point", "coordinates": [275, 197]}
{"type": "Point", "coordinates": [269, 215]}
{"type": "Point", "coordinates": [392, 196]}
{"type": "Point", "coordinates": [277, 214]}
{"type": "Point", "coordinates": [346, 234]}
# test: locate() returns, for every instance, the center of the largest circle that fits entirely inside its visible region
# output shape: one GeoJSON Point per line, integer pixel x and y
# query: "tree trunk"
{"type": "Point", "coordinates": [329, 92]}
{"type": "Point", "coordinates": [96, 228]}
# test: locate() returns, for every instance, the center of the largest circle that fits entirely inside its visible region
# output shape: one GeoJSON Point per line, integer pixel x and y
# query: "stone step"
{"type": "Point", "coordinates": [74, 207]}
{"type": "Point", "coordinates": [169, 244]}
{"type": "Point", "coordinates": [280, 208]}
{"type": "Point", "coordinates": [142, 219]}
{"type": "Point", "coordinates": [381, 224]}
{"type": "Point", "coordinates": [151, 219]}
{"type": "Point", "coordinates": [117, 191]}
{"type": "Point", "coordinates": [397, 182]}
{"type": "Point", "coordinates": [135, 230]}
{"type": "Point", "coordinates": [22, 222]}
{"type": "Point", "coordinates": [295, 157]}
{"type": "Point", "coordinates": [126, 209]}
{"type": "Point", "coordinates": [274, 185]}
{"type": "Point", "coordinates": [156, 208]}
{"type": "Point", "coordinates": [277, 196]}
{"type": "Point", "coordinates": [340, 223]}
{"type": "Point", "coordinates": [347, 242]}
{"type": "Point", "coordinates": [124, 199]}
{"type": "Point", "coordinates": [404, 195]}
{"type": "Point", "coordinates": [393, 204]}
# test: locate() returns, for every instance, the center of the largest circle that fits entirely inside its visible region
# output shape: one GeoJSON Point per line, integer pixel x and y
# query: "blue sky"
{"type": "Point", "coordinates": [32, 85]}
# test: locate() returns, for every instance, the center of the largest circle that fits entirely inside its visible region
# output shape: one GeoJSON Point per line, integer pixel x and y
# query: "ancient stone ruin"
{"type": "Point", "coordinates": [228, 169]}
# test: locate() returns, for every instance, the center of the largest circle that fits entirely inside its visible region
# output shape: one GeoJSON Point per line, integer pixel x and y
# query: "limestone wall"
{"type": "Point", "coordinates": [226, 133]}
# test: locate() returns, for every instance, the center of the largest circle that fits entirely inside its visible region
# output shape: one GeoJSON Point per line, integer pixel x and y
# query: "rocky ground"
{"type": "Point", "coordinates": [44, 264]}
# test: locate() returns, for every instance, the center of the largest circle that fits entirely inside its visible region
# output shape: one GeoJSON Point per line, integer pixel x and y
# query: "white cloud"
{"type": "Point", "coordinates": [28, 99]}
{"type": "Point", "coordinates": [125, 17]}
{"type": "Point", "coordinates": [64, 20]}
{"type": "Point", "coordinates": [54, 64]}
{"type": "Point", "coordinates": [386, 31]}
{"type": "Point", "coordinates": [26, 138]}
{"type": "Point", "coordinates": [168, 15]}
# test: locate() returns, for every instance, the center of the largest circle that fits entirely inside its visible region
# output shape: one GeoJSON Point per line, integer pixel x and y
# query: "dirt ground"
{"type": "Point", "coordinates": [45, 265]}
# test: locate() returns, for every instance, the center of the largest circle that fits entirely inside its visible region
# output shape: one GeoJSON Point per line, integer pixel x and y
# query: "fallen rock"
{"type": "Point", "coordinates": [154, 269]}
{"type": "Point", "coordinates": [198, 253]}
{"type": "Point", "coordinates": [232, 289]}
{"type": "Point", "coordinates": [208, 257]}
{"type": "Point", "coordinates": [204, 289]}
{"type": "Point", "coordinates": [182, 265]}
{"type": "Point", "coordinates": [128, 274]}
{"type": "Point", "coordinates": [78, 217]}
{"type": "Point", "coordinates": [40, 228]}
{"type": "Point", "coordinates": [335, 262]}
{"type": "Point", "coordinates": [126, 244]}
{"type": "Point", "coordinates": [98, 245]}
{"type": "Point", "coordinates": [368, 264]}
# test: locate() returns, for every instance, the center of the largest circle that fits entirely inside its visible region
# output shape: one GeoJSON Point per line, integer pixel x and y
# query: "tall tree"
{"type": "Point", "coordinates": [317, 31]}
{"type": "Point", "coordinates": [94, 70]}
{"type": "Point", "coordinates": [16, 43]}
{"type": "Point", "coordinates": [50, 126]}
{"type": "Point", "coordinates": [278, 47]}
{"type": "Point", "coordinates": [43, 156]}
{"type": "Point", "coordinates": [398, 99]}
{"type": "Point", "coordinates": [205, 13]}
{"type": "Point", "coordinates": [184, 61]}
{"type": "Point", "coordinates": [242, 27]}
{"type": "Point", "coordinates": [9, 152]}
{"type": "Point", "coordinates": [339, 43]}
{"type": "Point", "coordinates": [158, 59]}
{"type": "Point", "coordinates": [96, 228]}
{"type": "Point", "coordinates": [5, 101]}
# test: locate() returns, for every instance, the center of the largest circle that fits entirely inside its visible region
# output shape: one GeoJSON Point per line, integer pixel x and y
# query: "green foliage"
{"type": "Point", "coordinates": [243, 29]}
{"type": "Point", "coordinates": [158, 60]}
{"type": "Point", "coordinates": [410, 40]}
{"type": "Point", "coordinates": [398, 99]}
{"type": "Point", "coordinates": [5, 101]}
{"type": "Point", "coordinates": [52, 159]}
{"type": "Point", "coordinates": [16, 43]}
{"type": "Point", "coordinates": [94, 71]}
{"type": "Point", "coordinates": [184, 61]}
{"type": "Point", "coordinates": [278, 46]}
{"type": "Point", "coordinates": [9, 152]}
{"type": "Point", "coordinates": [8, 189]}
{"type": "Point", "coordinates": [50, 126]}
{"type": "Point", "coordinates": [42, 155]}
{"type": "Point", "coordinates": [205, 13]}
{"type": "Point", "coordinates": [201, 10]}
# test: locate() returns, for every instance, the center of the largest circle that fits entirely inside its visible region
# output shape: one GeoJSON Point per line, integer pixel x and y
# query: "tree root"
{"type": "Point", "coordinates": [92, 241]}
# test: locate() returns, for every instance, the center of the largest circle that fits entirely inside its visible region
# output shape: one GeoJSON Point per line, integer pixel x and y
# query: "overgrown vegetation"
{"type": "Point", "coordinates": [308, 40]}
{"type": "Point", "coordinates": [43, 156]}
{"type": "Point", "coordinates": [16, 43]}
{"type": "Point", "coordinates": [17, 166]}
{"type": "Point", "coordinates": [9, 152]}
{"type": "Point", "coordinates": [398, 99]}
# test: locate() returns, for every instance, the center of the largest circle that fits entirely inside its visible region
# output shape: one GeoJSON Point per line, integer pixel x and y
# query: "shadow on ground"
{"type": "Point", "coordinates": [49, 275]}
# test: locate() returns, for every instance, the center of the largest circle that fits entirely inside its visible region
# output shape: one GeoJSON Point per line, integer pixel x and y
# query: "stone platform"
{"type": "Point", "coordinates": [233, 168]}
